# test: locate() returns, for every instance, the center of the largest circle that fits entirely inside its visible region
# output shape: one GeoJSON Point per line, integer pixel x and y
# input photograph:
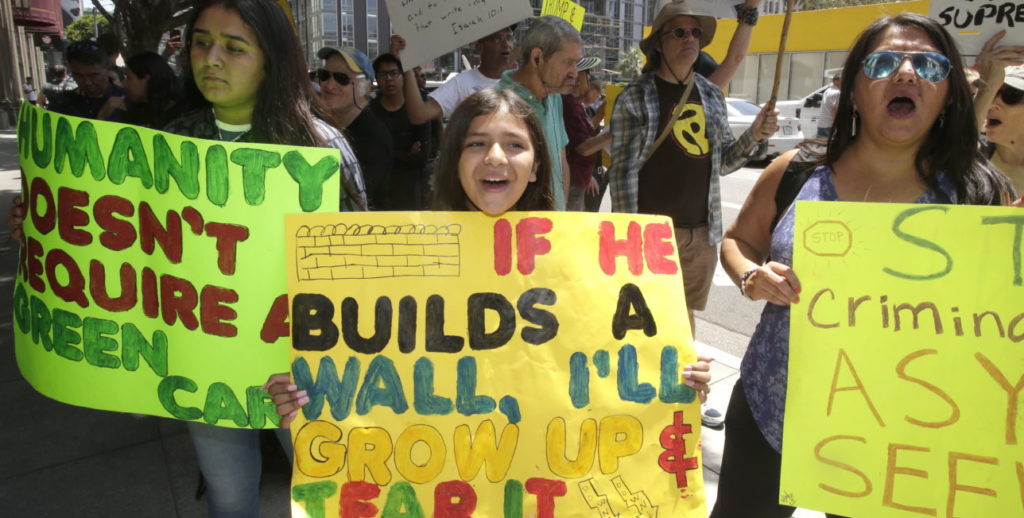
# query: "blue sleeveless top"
{"type": "Point", "coordinates": [766, 362]}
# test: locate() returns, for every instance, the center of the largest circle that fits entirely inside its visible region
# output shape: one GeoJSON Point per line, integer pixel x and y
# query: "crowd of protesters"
{"type": "Point", "coordinates": [243, 78]}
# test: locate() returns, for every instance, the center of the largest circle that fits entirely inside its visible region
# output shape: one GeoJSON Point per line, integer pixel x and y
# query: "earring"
{"type": "Point", "coordinates": [853, 129]}
{"type": "Point", "coordinates": [942, 119]}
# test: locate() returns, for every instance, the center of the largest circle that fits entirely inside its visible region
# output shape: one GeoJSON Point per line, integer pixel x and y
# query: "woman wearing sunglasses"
{"type": "Point", "coordinates": [902, 133]}
{"type": "Point", "coordinates": [345, 81]}
{"type": "Point", "coordinates": [998, 106]}
{"type": "Point", "coordinates": [1004, 126]}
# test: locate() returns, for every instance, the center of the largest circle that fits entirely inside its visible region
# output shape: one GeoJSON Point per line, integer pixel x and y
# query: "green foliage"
{"type": "Point", "coordinates": [82, 28]}
{"type": "Point", "coordinates": [631, 63]}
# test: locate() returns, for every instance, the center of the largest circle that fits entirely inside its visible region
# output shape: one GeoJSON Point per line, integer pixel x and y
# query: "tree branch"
{"type": "Point", "coordinates": [99, 7]}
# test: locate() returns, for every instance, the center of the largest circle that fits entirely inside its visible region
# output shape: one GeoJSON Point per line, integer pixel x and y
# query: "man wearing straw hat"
{"type": "Point", "coordinates": [673, 169]}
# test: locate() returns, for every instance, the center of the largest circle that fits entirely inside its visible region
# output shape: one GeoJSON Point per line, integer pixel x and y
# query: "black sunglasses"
{"type": "Point", "coordinates": [1010, 95]}
{"type": "Point", "coordinates": [680, 32]}
{"type": "Point", "coordinates": [342, 78]}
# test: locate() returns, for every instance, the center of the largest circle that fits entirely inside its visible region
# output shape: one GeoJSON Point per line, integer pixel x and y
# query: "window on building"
{"type": "Point", "coordinates": [767, 76]}
{"type": "Point", "coordinates": [806, 74]}
{"type": "Point", "coordinates": [330, 25]}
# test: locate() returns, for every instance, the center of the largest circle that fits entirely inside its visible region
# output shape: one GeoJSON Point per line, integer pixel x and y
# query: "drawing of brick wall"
{"type": "Point", "coordinates": [377, 251]}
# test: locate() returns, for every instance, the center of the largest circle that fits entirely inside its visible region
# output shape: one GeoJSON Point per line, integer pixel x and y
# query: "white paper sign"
{"type": "Point", "coordinates": [973, 22]}
{"type": "Point", "coordinates": [716, 8]}
{"type": "Point", "coordinates": [434, 27]}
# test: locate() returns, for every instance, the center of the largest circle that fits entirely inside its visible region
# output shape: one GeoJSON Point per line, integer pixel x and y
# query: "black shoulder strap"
{"type": "Point", "coordinates": [793, 179]}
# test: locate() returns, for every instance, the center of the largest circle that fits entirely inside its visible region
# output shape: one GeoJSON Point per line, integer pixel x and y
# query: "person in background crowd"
{"type": "Point", "coordinates": [550, 50]}
{"type": "Point", "coordinates": [998, 106]}
{"type": "Point", "coordinates": [596, 110]}
{"type": "Point", "coordinates": [29, 90]}
{"type": "Point", "coordinates": [436, 128]}
{"type": "Point", "coordinates": [829, 100]}
{"type": "Point", "coordinates": [1005, 126]}
{"type": "Point", "coordinates": [410, 142]}
{"type": "Point", "coordinates": [172, 46]}
{"type": "Point", "coordinates": [495, 51]}
{"type": "Point", "coordinates": [111, 45]}
{"type": "Point", "coordinates": [900, 135]}
{"type": "Point", "coordinates": [153, 95]}
{"type": "Point", "coordinates": [668, 152]}
{"type": "Point", "coordinates": [59, 83]}
{"type": "Point", "coordinates": [583, 151]}
{"type": "Point", "coordinates": [89, 68]}
{"type": "Point", "coordinates": [345, 81]}
{"type": "Point", "coordinates": [492, 135]}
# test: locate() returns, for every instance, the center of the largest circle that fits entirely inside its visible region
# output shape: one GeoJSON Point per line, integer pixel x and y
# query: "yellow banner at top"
{"type": "Point", "coordinates": [565, 9]}
{"type": "Point", "coordinates": [462, 365]}
{"type": "Point", "coordinates": [152, 275]}
{"type": "Point", "coordinates": [906, 361]}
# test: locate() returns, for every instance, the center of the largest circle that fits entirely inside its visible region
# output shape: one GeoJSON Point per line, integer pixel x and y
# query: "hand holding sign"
{"type": "Point", "coordinates": [971, 23]}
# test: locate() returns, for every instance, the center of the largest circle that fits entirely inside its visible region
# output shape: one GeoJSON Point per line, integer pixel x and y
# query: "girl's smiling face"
{"type": "Point", "coordinates": [497, 162]}
{"type": "Point", "coordinates": [227, 62]}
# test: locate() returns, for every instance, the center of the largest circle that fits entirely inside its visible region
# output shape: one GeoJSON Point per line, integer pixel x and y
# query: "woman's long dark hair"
{"type": "Point", "coordinates": [162, 91]}
{"type": "Point", "coordinates": [449, 192]}
{"type": "Point", "coordinates": [951, 145]}
{"type": "Point", "coordinates": [285, 103]}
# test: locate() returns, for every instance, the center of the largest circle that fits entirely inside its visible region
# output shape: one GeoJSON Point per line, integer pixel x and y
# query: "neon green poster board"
{"type": "Point", "coordinates": [458, 364]}
{"type": "Point", "coordinates": [565, 9]}
{"type": "Point", "coordinates": [152, 275]}
{"type": "Point", "coordinates": [906, 361]}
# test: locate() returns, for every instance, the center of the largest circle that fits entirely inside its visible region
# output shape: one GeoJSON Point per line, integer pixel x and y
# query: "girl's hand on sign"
{"type": "Point", "coordinates": [773, 282]}
{"type": "Point", "coordinates": [287, 397]}
{"type": "Point", "coordinates": [698, 376]}
{"type": "Point", "coordinates": [1019, 202]}
{"type": "Point", "coordinates": [16, 219]}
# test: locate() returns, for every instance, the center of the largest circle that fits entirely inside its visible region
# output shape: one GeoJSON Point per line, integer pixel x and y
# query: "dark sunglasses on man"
{"type": "Point", "coordinates": [342, 78]}
{"type": "Point", "coordinates": [680, 32]}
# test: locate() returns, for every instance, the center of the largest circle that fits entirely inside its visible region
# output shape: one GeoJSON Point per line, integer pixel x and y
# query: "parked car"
{"type": "Point", "coordinates": [807, 110]}
{"type": "Point", "coordinates": [742, 115]}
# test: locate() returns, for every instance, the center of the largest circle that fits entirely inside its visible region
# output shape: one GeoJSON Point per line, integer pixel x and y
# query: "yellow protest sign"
{"type": "Point", "coordinates": [611, 94]}
{"type": "Point", "coordinates": [458, 364]}
{"type": "Point", "coordinates": [152, 275]}
{"type": "Point", "coordinates": [565, 9]}
{"type": "Point", "coordinates": [906, 364]}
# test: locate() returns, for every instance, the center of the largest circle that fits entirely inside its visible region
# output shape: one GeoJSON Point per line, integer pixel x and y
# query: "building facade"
{"type": "Point", "coordinates": [609, 27]}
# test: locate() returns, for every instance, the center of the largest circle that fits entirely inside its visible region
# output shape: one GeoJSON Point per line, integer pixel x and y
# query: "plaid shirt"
{"type": "Point", "coordinates": [200, 124]}
{"type": "Point", "coordinates": [635, 127]}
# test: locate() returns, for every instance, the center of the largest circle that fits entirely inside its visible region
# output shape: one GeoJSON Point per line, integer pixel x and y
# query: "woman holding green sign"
{"type": "Point", "coordinates": [249, 84]}
{"type": "Point", "coordinates": [903, 133]}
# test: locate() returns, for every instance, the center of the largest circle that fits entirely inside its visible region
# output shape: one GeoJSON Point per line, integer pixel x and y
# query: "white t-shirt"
{"type": "Point", "coordinates": [829, 103]}
{"type": "Point", "coordinates": [467, 83]}
{"type": "Point", "coordinates": [30, 92]}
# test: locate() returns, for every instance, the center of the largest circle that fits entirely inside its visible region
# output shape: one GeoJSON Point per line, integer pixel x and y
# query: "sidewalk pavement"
{"type": "Point", "coordinates": [60, 460]}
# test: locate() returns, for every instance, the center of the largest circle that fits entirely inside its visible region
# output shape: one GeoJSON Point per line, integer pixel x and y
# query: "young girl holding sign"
{"type": "Point", "coordinates": [493, 159]}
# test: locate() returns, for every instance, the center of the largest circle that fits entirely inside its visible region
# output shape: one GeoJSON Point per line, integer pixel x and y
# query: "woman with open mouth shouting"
{"type": "Point", "coordinates": [903, 133]}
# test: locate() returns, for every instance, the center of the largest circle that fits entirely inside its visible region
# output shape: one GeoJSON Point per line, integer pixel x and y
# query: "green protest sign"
{"type": "Point", "coordinates": [151, 279]}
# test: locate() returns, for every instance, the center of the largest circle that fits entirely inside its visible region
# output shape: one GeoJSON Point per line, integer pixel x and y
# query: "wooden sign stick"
{"type": "Point", "coordinates": [782, 53]}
